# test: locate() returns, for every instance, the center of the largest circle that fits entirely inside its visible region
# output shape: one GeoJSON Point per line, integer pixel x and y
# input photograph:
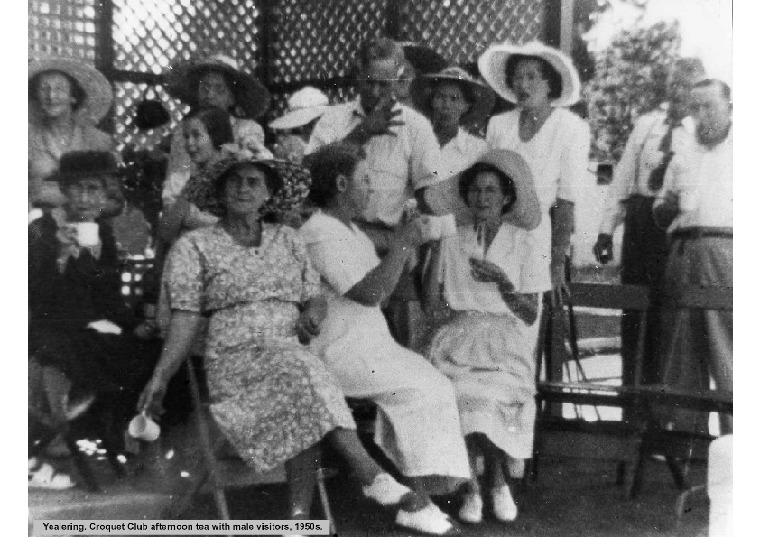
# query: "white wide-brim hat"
{"type": "Point", "coordinates": [444, 197]}
{"type": "Point", "coordinates": [492, 66]}
{"type": "Point", "coordinates": [251, 97]}
{"type": "Point", "coordinates": [304, 106]}
{"type": "Point", "coordinates": [98, 94]}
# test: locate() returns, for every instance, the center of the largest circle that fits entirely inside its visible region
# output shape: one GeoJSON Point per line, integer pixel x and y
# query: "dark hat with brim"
{"type": "Point", "coordinates": [78, 165]}
{"type": "Point", "coordinates": [151, 114]}
{"type": "Point", "coordinates": [251, 97]}
{"type": "Point", "coordinates": [481, 97]}
{"type": "Point", "coordinates": [294, 180]}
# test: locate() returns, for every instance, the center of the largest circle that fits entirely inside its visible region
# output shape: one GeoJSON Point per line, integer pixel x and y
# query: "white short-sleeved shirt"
{"type": "Point", "coordinates": [703, 178]}
{"type": "Point", "coordinates": [513, 249]}
{"type": "Point", "coordinates": [245, 132]}
{"type": "Point", "coordinates": [397, 164]}
{"type": "Point", "coordinates": [558, 157]}
{"type": "Point", "coordinates": [641, 156]}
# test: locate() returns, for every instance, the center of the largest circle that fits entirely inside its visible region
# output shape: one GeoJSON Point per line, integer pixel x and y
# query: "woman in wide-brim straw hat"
{"type": "Point", "coordinates": [487, 270]}
{"type": "Point", "coordinates": [542, 81]}
{"type": "Point", "coordinates": [66, 100]}
{"type": "Point", "coordinates": [215, 81]}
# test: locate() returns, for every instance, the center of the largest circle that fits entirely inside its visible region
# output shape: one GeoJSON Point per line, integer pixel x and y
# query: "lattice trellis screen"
{"type": "Point", "coordinates": [63, 28]}
{"type": "Point", "coordinates": [149, 35]}
{"type": "Point", "coordinates": [308, 40]}
{"type": "Point", "coordinates": [460, 30]}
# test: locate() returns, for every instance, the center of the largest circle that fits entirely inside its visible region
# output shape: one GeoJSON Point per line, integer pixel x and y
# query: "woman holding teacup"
{"type": "Point", "coordinates": [487, 272]}
{"type": "Point", "coordinates": [79, 325]}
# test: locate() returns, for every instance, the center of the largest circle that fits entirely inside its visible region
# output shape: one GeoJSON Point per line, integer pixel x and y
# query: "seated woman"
{"type": "Point", "coordinates": [205, 131]}
{"type": "Point", "coordinates": [79, 324]}
{"type": "Point", "coordinates": [487, 348]}
{"type": "Point", "coordinates": [418, 423]}
{"type": "Point", "coordinates": [272, 399]}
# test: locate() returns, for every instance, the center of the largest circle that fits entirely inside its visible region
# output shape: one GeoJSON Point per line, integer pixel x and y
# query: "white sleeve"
{"type": "Point", "coordinates": [574, 159]}
{"type": "Point", "coordinates": [337, 264]}
{"type": "Point", "coordinates": [323, 134]}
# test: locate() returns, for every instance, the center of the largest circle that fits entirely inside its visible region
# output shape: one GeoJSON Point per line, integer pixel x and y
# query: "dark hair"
{"type": "Point", "coordinates": [228, 79]}
{"type": "Point", "coordinates": [725, 89]}
{"type": "Point", "coordinates": [272, 179]}
{"type": "Point", "coordinates": [217, 123]}
{"type": "Point", "coordinates": [77, 93]}
{"type": "Point", "coordinates": [470, 174]}
{"type": "Point", "coordinates": [548, 72]}
{"type": "Point", "coordinates": [325, 165]}
{"type": "Point", "coordinates": [467, 92]}
{"type": "Point", "coordinates": [379, 49]}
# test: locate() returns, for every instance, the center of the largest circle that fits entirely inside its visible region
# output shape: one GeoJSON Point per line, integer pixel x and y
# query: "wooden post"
{"type": "Point", "coordinates": [566, 26]}
{"type": "Point", "coordinates": [104, 50]}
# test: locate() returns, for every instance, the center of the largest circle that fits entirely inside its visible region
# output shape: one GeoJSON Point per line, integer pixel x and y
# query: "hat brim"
{"type": "Point", "coordinates": [251, 97]}
{"type": "Point", "coordinates": [492, 66]}
{"type": "Point", "coordinates": [97, 89]}
{"type": "Point", "coordinates": [295, 180]}
{"type": "Point", "coordinates": [484, 98]}
{"type": "Point", "coordinates": [298, 118]}
{"type": "Point", "coordinates": [443, 197]}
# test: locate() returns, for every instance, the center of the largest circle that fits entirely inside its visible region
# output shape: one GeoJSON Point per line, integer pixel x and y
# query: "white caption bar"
{"type": "Point", "coordinates": [181, 527]}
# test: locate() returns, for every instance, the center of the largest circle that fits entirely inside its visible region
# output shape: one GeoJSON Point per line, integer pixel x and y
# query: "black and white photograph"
{"type": "Point", "coordinates": [368, 268]}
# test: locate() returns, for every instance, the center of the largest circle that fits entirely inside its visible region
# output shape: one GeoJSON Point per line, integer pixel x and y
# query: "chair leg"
{"type": "Point", "coordinates": [325, 500]}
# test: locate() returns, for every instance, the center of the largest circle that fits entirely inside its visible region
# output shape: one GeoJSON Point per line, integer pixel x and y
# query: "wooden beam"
{"type": "Point", "coordinates": [566, 26]}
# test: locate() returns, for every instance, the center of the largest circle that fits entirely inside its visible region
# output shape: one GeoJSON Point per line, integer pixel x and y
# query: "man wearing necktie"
{"type": "Point", "coordinates": [638, 178]}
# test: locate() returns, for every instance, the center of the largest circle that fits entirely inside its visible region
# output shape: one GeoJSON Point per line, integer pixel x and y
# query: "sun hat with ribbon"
{"type": "Point", "coordinates": [304, 106]}
{"type": "Point", "coordinates": [251, 97]}
{"type": "Point", "coordinates": [98, 94]}
{"type": "Point", "coordinates": [444, 197]}
{"type": "Point", "coordinates": [481, 96]}
{"type": "Point", "coordinates": [292, 191]}
{"type": "Point", "coordinates": [492, 65]}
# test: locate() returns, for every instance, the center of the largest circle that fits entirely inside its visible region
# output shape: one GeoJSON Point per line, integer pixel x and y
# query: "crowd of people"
{"type": "Point", "coordinates": [276, 263]}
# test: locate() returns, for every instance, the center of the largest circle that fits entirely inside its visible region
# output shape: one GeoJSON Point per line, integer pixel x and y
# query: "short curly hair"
{"type": "Point", "coordinates": [326, 164]}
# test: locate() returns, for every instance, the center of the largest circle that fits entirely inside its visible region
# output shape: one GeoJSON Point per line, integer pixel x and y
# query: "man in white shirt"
{"type": "Point", "coordinates": [638, 178]}
{"type": "Point", "coordinates": [696, 206]}
{"type": "Point", "coordinates": [401, 154]}
{"type": "Point", "coordinates": [401, 150]}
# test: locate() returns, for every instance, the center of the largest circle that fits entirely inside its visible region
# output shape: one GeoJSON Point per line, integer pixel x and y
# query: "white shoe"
{"type": "Point", "coordinates": [472, 508]}
{"type": "Point", "coordinates": [430, 519]}
{"type": "Point", "coordinates": [385, 490]}
{"type": "Point", "coordinates": [504, 507]}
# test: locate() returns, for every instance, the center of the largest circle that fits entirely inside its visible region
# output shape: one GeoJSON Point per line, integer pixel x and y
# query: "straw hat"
{"type": "Point", "coordinates": [98, 94]}
{"type": "Point", "coordinates": [251, 97]}
{"type": "Point", "coordinates": [304, 106]}
{"type": "Point", "coordinates": [492, 65]}
{"type": "Point", "coordinates": [294, 180]}
{"type": "Point", "coordinates": [482, 96]}
{"type": "Point", "coordinates": [444, 197]}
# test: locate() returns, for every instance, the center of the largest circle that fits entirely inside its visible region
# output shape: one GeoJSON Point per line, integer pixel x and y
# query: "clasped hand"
{"type": "Point", "coordinates": [485, 271]}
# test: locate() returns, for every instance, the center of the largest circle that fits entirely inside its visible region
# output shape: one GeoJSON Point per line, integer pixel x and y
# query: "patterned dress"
{"type": "Point", "coordinates": [270, 396]}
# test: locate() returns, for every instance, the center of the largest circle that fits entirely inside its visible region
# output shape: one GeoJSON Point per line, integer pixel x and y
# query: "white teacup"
{"type": "Point", "coordinates": [87, 234]}
{"type": "Point", "coordinates": [144, 428]}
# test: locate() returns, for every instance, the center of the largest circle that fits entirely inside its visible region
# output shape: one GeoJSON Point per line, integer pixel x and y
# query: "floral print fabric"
{"type": "Point", "coordinates": [270, 396]}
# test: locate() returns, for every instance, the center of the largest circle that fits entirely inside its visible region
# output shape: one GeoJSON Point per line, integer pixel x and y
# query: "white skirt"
{"type": "Point", "coordinates": [490, 360]}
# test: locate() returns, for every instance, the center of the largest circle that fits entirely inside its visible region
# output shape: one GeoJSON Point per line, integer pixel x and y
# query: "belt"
{"type": "Point", "coordinates": [688, 233]}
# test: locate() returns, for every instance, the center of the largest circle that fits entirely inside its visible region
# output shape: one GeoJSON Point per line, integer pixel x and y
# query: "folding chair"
{"type": "Point", "coordinates": [210, 472]}
{"type": "Point", "coordinates": [605, 440]}
{"type": "Point", "coordinates": [682, 445]}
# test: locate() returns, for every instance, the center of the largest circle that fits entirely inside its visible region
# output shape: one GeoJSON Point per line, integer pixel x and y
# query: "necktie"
{"type": "Point", "coordinates": [657, 177]}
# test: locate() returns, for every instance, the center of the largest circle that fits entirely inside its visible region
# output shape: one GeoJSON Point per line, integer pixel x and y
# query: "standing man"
{"type": "Point", "coordinates": [696, 206]}
{"type": "Point", "coordinates": [638, 179]}
{"type": "Point", "coordinates": [401, 155]}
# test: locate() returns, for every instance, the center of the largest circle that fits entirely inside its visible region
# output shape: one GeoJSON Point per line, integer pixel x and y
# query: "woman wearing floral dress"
{"type": "Point", "coordinates": [272, 399]}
